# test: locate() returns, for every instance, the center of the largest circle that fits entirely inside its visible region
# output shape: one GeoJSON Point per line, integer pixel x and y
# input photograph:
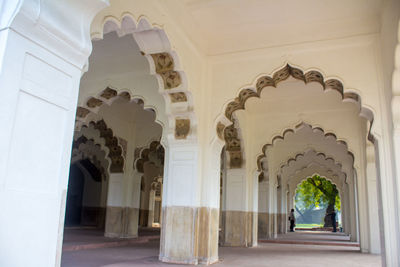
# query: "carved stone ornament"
{"type": "Point", "coordinates": [235, 159]}
{"type": "Point", "coordinates": [108, 93]}
{"type": "Point", "coordinates": [171, 79]}
{"type": "Point", "coordinates": [163, 62]}
{"type": "Point", "coordinates": [82, 112]}
{"type": "Point", "coordinates": [182, 128]}
{"type": "Point", "coordinates": [279, 76]}
{"type": "Point", "coordinates": [178, 97]}
{"type": "Point", "coordinates": [220, 130]}
{"type": "Point", "coordinates": [94, 102]}
{"type": "Point", "coordinates": [125, 95]}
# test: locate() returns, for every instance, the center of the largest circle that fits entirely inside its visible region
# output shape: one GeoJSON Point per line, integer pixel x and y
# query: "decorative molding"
{"type": "Point", "coordinates": [178, 97]}
{"type": "Point", "coordinates": [308, 77]}
{"type": "Point", "coordinates": [182, 128]}
{"type": "Point", "coordinates": [233, 147]}
{"type": "Point", "coordinates": [94, 102]}
{"type": "Point", "coordinates": [220, 130]}
{"type": "Point", "coordinates": [171, 79]}
{"type": "Point", "coordinates": [163, 62]}
{"type": "Point", "coordinates": [281, 75]}
{"type": "Point", "coordinates": [108, 93]}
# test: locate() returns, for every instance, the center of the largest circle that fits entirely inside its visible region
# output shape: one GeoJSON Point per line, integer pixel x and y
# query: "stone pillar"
{"type": "Point", "coordinates": [263, 190]}
{"type": "Point", "coordinates": [374, 225]}
{"type": "Point", "coordinates": [390, 224]}
{"type": "Point", "coordinates": [353, 212]}
{"type": "Point", "coordinates": [345, 209]}
{"type": "Point", "coordinates": [362, 199]}
{"type": "Point", "coordinates": [189, 232]}
{"type": "Point", "coordinates": [119, 217]}
{"type": "Point", "coordinates": [151, 208]}
{"type": "Point", "coordinates": [238, 220]}
{"type": "Point", "coordinates": [287, 209]}
{"type": "Point", "coordinates": [43, 49]}
{"type": "Point", "coordinates": [123, 199]}
{"type": "Point", "coordinates": [255, 212]}
{"type": "Point", "coordinates": [279, 209]}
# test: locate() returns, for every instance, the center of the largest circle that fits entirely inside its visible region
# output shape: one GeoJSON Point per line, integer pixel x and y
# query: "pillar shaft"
{"type": "Point", "coordinates": [238, 220]}
{"type": "Point", "coordinates": [40, 71]}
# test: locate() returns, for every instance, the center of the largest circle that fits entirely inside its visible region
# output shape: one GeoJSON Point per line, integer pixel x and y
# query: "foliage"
{"type": "Point", "coordinates": [308, 225]}
{"type": "Point", "coordinates": [319, 192]}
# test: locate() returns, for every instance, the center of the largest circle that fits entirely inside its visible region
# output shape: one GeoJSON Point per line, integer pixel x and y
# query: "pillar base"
{"type": "Point", "coordinates": [121, 222]}
{"type": "Point", "coordinates": [238, 228]}
{"type": "Point", "coordinates": [189, 235]}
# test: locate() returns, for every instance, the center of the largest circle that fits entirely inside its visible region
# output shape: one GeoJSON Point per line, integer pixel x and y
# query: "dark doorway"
{"type": "Point", "coordinates": [73, 211]}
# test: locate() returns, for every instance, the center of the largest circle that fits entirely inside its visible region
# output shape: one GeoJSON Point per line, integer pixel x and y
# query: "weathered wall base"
{"type": "Point", "coordinates": [121, 222]}
{"type": "Point", "coordinates": [237, 228]}
{"type": "Point", "coordinates": [208, 227]}
{"type": "Point", "coordinates": [263, 222]}
{"type": "Point", "coordinates": [189, 235]}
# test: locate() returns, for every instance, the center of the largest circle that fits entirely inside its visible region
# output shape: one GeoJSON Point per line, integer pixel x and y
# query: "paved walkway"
{"type": "Point", "coordinates": [314, 238]}
{"type": "Point", "coordinates": [266, 254]}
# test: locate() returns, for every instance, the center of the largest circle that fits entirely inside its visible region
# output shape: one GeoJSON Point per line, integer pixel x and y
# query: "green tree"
{"type": "Point", "coordinates": [317, 192]}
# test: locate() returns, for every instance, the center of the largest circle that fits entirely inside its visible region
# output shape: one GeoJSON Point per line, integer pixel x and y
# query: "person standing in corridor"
{"type": "Point", "coordinates": [292, 220]}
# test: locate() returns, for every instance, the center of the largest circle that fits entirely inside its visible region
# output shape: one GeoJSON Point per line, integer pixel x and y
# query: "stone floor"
{"type": "Point", "coordinates": [266, 254]}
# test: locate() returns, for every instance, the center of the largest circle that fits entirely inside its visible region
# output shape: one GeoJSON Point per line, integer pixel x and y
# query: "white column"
{"type": "Point", "coordinates": [353, 212]}
{"type": "Point", "coordinates": [150, 220]}
{"type": "Point", "coordinates": [42, 52]}
{"type": "Point", "coordinates": [181, 199]}
{"type": "Point", "coordinates": [374, 225]}
{"type": "Point", "coordinates": [263, 191]}
{"type": "Point", "coordinates": [387, 160]}
{"type": "Point", "coordinates": [362, 199]}
{"type": "Point", "coordinates": [255, 209]}
{"type": "Point", "coordinates": [114, 211]}
{"type": "Point", "coordinates": [236, 209]}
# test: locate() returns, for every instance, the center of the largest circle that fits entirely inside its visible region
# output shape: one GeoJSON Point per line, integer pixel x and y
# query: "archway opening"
{"type": "Point", "coordinates": [124, 113]}
{"type": "Point", "coordinates": [317, 205]}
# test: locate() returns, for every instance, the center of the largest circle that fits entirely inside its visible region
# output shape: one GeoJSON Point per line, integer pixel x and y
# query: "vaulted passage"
{"type": "Point", "coordinates": [235, 133]}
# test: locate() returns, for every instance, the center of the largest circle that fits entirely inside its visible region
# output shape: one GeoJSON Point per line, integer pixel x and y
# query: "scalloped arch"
{"type": "Point", "coordinates": [323, 171]}
{"type": "Point", "coordinates": [91, 150]}
{"type": "Point", "coordinates": [264, 81]}
{"type": "Point", "coordinates": [112, 144]}
{"type": "Point", "coordinates": [284, 73]}
{"type": "Point", "coordinates": [107, 97]}
{"type": "Point", "coordinates": [164, 65]}
{"type": "Point", "coordinates": [299, 156]}
{"type": "Point", "coordinates": [154, 147]}
{"type": "Point", "coordinates": [262, 156]}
